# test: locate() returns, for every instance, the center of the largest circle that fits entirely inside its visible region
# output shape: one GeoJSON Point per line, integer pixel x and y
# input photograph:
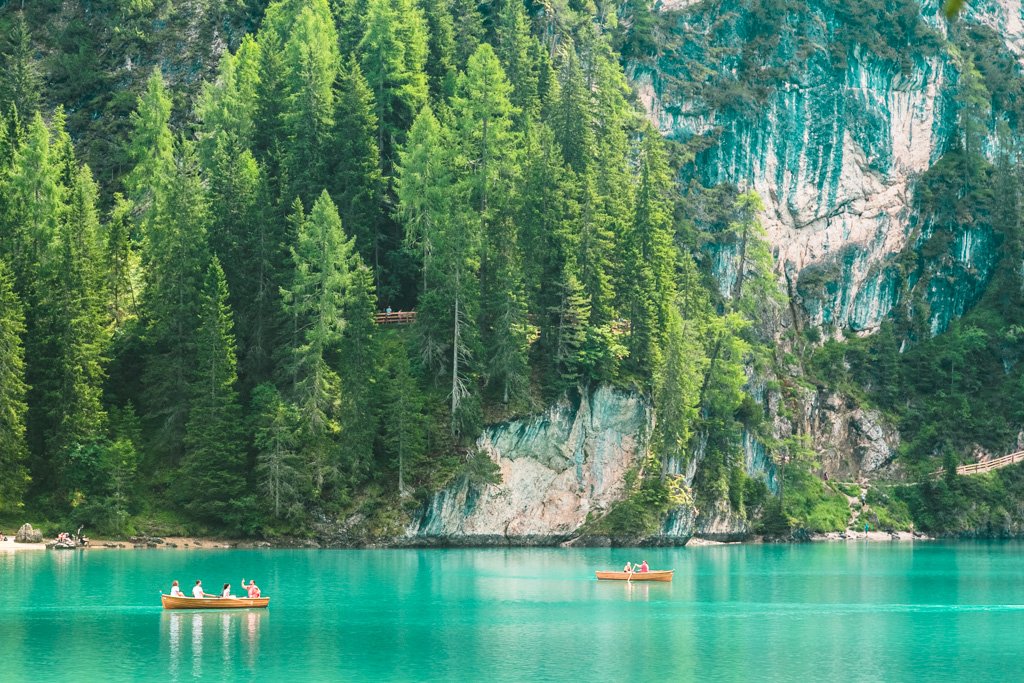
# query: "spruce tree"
{"type": "Point", "coordinates": [248, 240]}
{"type": "Point", "coordinates": [121, 262]}
{"type": "Point", "coordinates": [77, 299]}
{"type": "Point", "coordinates": [392, 55]}
{"type": "Point", "coordinates": [310, 69]}
{"type": "Point", "coordinates": [212, 478]}
{"type": "Point", "coordinates": [175, 255]}
{"type": "Point", "coordinates": [280, 475]}
{"type": "Point", "coordinates": [403, 421]}
{"type": "Point", "coordinates": [489, 169]}
{"type": "Point", "coordinates": [20, 82]}
{"type": "Point", "coordinates": [13, 408]}
{"type": "Point", "coordinates": [315, 304]}
{"type": "Point", "coordinates": [648, 283]}
{"type": "Point", "coordinates": [151, 149]}
{"type": "Point", "coordinates": [439, 217]}
{"type": "Point", "coordinates": [357, 184]}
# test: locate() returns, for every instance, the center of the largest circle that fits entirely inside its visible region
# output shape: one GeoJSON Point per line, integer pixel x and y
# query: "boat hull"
{"type": "Point", "coordinates": [658, 575]}
{"type": "Point", "coordinates": [171, 602]}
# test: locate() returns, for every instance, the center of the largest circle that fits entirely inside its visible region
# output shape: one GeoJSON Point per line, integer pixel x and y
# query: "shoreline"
{"type": "Point", "coordinates": [209, 543]}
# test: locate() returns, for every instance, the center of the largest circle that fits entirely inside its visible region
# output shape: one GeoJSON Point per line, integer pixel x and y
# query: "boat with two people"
{"type": "Point", "coordinates": [636, 572]}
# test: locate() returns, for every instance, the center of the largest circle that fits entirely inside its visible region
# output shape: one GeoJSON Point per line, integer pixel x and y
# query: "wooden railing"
{"type": "Point", "coordinates": [988, 465]}
{"type": "Point", "coordinates": [395, 318]}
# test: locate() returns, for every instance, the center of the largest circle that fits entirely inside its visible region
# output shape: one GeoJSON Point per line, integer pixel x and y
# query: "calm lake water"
{"type": "Point", "coordinates": [871, 612]}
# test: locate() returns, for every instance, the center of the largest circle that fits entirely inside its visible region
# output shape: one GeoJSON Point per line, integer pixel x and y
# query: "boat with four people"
{"type": "Point", "coordinates": [173, 602]}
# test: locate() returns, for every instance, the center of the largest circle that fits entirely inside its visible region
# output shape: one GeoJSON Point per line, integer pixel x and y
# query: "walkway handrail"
{"type": "Point", "coordinates": [988, 465]}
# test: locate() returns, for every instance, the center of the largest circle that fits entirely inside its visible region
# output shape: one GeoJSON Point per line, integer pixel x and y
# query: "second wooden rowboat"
{"type": "Point", "coordinates": [171, 602]}
{"type": "Point", "coordinates": [653, 575]}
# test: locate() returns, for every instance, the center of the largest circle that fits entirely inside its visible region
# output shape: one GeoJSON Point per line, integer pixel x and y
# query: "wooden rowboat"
{"type": "Point", "coordinates": [170, 602]}
{"type": "Point", "coordinates": [653, 575]}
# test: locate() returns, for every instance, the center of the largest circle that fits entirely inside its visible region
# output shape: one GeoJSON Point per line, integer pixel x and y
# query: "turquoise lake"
{"type": "Point", "coordinates": [822, 612]}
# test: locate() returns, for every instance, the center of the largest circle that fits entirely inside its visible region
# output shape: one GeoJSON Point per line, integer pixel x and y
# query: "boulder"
{"type": "Point", "coordinates": [26, 534]}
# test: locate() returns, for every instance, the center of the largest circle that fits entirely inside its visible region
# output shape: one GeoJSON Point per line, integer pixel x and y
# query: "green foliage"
{"type": "Point", "coordinates": [12, 395]}
{"type": "Point", "coordinates": [812, 505]}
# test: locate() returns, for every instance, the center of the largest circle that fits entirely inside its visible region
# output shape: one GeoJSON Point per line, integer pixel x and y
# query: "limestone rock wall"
{"type": "Point", "coordinates": [556, 469]}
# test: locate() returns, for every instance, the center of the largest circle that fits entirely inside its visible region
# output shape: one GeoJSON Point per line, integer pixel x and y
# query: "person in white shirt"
{"type": "Point", "coordinates": [225, 592]}
{"type": "Point", "coordinates": [197, 590]}
{"type": "Point", "coordinates": [176, 591]}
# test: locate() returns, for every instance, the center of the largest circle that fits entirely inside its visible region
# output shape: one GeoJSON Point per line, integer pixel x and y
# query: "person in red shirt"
{"type": "Point", "coordinates": [252, 589]}
{"type": "Point", "coordinates": [643, 567]}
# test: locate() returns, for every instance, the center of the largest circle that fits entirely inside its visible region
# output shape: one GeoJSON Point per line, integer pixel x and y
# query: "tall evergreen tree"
{"type": "Point", "coordinates": [393, 54]}
{"type": "Point", "coordinates": [248, 240]}
{"type": "Point", "coordinates": [358, 185]}
{"type": "Point", "coordinates": [175, 255]}
{"type": "Point", "coordinates": [649, 255]}
{"type": "Point", "coordinates": [315, 304]}
{"type": "Point", "coordinates": [20, 82]}
{"type": "Point", "coordinates": [488, 149]}
{"type": "Point", "coordinates": [13, 407]}
{"type": "Point", "coordinates": [438, 216]}
{"type": "Point", "coordinates": [151, 149]}
{"type": "Point", "coordinates": [35, 198]}
{"type": "Point", "coordinates": [311, 67]}
{"type": "Point", "coordinates": [280, 474]}
{"type": "Point", "coordinates": [214, 454]}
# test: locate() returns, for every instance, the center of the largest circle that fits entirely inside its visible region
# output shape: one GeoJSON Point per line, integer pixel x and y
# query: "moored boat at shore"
{"type": "Point", "coordinates": [172, 602]}
{"type": "Point", "coordinates": [653, 575]}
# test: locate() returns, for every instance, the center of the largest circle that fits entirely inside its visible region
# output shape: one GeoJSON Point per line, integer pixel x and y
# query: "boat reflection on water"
{"type": "Point", "coordinates": [194, 635]}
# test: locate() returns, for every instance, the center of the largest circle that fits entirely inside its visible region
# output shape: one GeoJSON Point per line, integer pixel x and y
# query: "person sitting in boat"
{"type": "Point", "coordinates": [225, 592]}
{"type": "Point", "coordinates": [252, 589]}
{"type": "Point", "coordinates": [198, 592]}
{"type": "Point", "coordinates": [628, 568]}
{"type": "Point", "coordinates": [176, 590]}
{"type": "Point", "coordinates": [643, 567]}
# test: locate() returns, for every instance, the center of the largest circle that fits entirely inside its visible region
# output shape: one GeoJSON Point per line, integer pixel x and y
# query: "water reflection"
{"type": "Point", "coordinates": [193, 636]}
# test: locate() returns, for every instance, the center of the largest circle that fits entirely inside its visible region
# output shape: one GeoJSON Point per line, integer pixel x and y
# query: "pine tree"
{"type": "Point", "coordinates": [403, 420]}
{"type": "Point", "coordinates": [35, 199]}
{"type": "Point", "coordinates": [469, 29]}
{"type": "Point", "coordinates": [249, 242]}
{"type": "Point", "coordinates": [213, 469]}
{"type": "Point", "coordinates": [549, 218]}
{"type": "Point", "coordinates": [440, 66]}
{"type": "Point", "coordinates": [279, 471]}
{"type": "Point", "coordinates": [438, 217]}
{"type": "Point", "coordinates": [517, 50]}
{"type": "Point", "coordinates": [311, 66]}
{"type": "Point", "coordinates": [175, 255]}
{"type": "Point", "coordinates": [483, 116]}
{"type": "Point", "coordinates": [358, 186]}
{"type": "Point", "coordinates": [77, 300]}
{"type": "Point", "coordinates": [650, 256]}
{"type": "Point", "coordinates": [357, 365]}
{"type": "Point", "coordinates": [227, 108]}
{"type": "Point", "coordinates": [151, 148]}
{"type": "Point", "coordinates": [392, 54]}
{"type": "Point", "coordinates": [315, 304]}
{"type": "Point", "coordinates": [121, 264]}
{"type": "Point", "coordinates": [20, 82]}
{"type": "Point", "coordinates": [677, 383]}
{"type": "Point", "coordinates": [13, 408]}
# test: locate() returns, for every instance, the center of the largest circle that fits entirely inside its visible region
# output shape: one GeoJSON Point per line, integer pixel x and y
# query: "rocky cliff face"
{"type": "Point", "coordinates": [556, 469]}
{"type": "Point", "coordinates": [832, 131]}
{"type": "Point", "coordinates": [560, 468]}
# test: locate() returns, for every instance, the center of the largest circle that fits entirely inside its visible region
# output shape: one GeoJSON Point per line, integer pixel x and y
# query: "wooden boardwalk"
{"type": "Point", "coordinates": [395, 318]}
{"type": "Point", "coordinates": [987, 465]}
